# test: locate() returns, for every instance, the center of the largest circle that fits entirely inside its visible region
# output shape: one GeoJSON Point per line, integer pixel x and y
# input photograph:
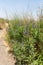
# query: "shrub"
{"type": "Point", "coordinates": [26, 41]}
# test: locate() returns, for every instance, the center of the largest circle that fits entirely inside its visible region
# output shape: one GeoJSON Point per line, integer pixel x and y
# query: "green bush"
{"type": "Point", "coordinates": [26, 40]}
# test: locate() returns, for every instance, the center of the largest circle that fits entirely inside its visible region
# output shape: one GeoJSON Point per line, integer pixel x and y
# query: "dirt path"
{"type": "Point", "coordinates": [5, 58]}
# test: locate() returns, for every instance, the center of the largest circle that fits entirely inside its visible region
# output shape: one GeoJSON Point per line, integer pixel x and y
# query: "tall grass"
{"type": "Point", "coordinates": [25, 37]}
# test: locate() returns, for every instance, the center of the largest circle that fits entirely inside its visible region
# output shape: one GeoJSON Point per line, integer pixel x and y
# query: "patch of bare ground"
{"type": "Point", "coordinates": [5, 57]}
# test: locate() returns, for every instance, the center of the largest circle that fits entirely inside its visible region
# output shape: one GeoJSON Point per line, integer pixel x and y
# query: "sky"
{"type": "Point", "coordinates": [11, 7]}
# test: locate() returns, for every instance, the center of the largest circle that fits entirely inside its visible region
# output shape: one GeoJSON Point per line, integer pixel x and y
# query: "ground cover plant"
{"type": "Point", "coordinates": [25, 37]}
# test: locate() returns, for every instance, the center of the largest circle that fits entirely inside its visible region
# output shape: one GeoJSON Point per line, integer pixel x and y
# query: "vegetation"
{"type": "Point", "coordinates": [26, 40]}
{"type": "Point", "coordinates": [2, 23]}
{"type": "Point", "coordinates": [25, 37]}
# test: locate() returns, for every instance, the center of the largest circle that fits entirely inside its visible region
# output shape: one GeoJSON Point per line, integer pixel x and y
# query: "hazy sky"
{"type": "Point", "coordinates": [9, 7]}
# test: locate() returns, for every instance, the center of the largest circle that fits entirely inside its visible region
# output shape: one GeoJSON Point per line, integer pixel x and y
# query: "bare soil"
{"type": "Point", "coordinates": [5, 57]}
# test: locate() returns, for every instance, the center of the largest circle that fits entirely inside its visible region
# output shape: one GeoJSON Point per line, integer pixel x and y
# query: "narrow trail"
{"type": "Point", "coordinates": [5, 58]}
